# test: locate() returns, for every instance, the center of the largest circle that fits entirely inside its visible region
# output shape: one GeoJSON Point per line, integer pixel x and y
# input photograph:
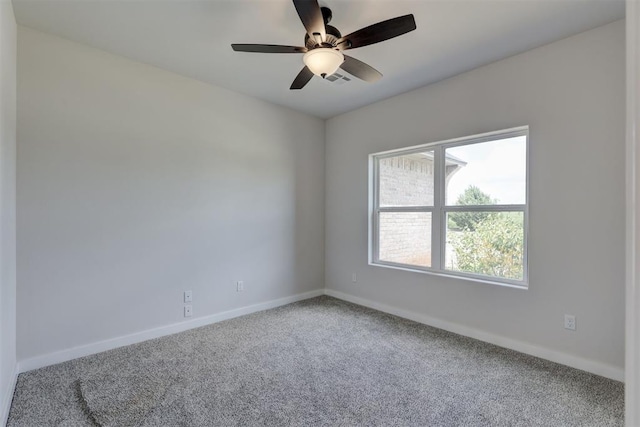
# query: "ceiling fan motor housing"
{"type": "Point", "coordinates": [326, 14]}
{"type": "Point", "coordinates": [333, 35]}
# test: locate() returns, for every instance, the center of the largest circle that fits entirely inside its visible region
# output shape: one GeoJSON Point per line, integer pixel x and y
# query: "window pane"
{"type": "Point", "coordinates": [406, 180]}
{"type": "Point", "coordinates": [405, 238]}
{"type": "Point", "coordinates": [490, 243]}
{"type": "Point", "coordinates": [488, 173]}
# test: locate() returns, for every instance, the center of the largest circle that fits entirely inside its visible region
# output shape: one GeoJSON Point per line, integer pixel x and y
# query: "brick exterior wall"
{"type": "Point", "coordinates": [406, 181]}
{"type": "Point", "coordinates": [405, 237]}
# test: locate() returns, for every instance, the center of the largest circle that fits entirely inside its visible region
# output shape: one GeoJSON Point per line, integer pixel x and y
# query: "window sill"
{"type": "Point", "coordinates": [523, 286]}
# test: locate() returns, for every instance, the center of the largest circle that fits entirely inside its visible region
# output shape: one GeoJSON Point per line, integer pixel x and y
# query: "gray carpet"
{"type": "Point", "coordinates": [316, 362]}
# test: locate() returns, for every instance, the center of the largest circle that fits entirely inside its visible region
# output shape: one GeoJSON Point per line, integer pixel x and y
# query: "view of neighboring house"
{"type": "Point", "coordinates": [408, 180]}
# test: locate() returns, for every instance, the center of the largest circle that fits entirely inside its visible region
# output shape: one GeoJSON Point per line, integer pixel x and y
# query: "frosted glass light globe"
{"type": "Point", "coordinates": [323, 61]}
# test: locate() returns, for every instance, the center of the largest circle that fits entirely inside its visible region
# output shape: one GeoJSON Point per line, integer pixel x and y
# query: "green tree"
{"type": "Point", "coordinates": [494, 248]}
{"type": "Point", "coordinates": [470, 220]}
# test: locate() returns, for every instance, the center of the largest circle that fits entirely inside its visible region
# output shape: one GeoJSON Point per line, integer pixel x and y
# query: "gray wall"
{"type": "Point", "coordinates": [135, 184]}
{"type": "Point", "coordinates": [7, 206]}
{"type": "Point", "coordinates": [571, 94]}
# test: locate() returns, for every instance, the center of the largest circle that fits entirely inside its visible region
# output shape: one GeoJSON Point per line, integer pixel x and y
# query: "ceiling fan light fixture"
{"type": "Point", "coordinates": [323, 61]}
{"type": "Point", "coordinates": [323, 44]}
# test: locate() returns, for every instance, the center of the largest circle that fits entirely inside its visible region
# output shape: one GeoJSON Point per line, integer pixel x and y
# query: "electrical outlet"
{"type": "Point", "coordinates": [354, 277]}
{"type": "Point", "coordinates": [188, 311]}
{"type": "Point", "coordinates": [239, 286]}
{"type": "Point", "coordinates": [188, 296]}
{"type": "Point", "coordinates": [570, 322]}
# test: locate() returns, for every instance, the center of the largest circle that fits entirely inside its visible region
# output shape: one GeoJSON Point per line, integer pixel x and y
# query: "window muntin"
{"type": "Point", "coordinates": [470, 223]}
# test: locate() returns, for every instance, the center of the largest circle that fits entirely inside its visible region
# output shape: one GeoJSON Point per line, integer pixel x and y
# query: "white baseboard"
{"type": "Point", "coordinates": [8, 398]}
{"type": "Point", "coordinates": [597, 368]}
{"type": "Point", "coordinates": [604, 370]}
{"type": "Point", "coordinates": [100, 346]}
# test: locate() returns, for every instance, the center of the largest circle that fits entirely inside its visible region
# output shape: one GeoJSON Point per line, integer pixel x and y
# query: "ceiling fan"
{"type": "Point", "coordinates": [323, 44]}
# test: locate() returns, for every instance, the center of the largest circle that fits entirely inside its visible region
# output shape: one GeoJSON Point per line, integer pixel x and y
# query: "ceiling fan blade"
{"type": "Point", "coordinates": [302, 79]}
{"type": "Point", "coordinates": [360, 70]}
{"type": "Point", "coordinates": [311, 17]}
{"type": "Point", "coordinates": [268, 48]}
{"type": "Point", "coordinates": [379, 32]}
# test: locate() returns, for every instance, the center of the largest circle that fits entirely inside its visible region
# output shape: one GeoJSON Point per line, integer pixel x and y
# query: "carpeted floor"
{"type": "Point", "coordinates": [317, 362]}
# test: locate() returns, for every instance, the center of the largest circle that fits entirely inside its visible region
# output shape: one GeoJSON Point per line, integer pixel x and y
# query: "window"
{"type": "Point", "coordinates": [456, 207]}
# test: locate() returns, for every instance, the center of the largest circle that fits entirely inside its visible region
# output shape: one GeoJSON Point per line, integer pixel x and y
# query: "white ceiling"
{"type": "Point", "coordinates": [193, 37]}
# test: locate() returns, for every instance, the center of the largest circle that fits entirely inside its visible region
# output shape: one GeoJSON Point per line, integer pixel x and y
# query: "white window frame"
{"type": "Point", "coordinates": [439, 209]}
